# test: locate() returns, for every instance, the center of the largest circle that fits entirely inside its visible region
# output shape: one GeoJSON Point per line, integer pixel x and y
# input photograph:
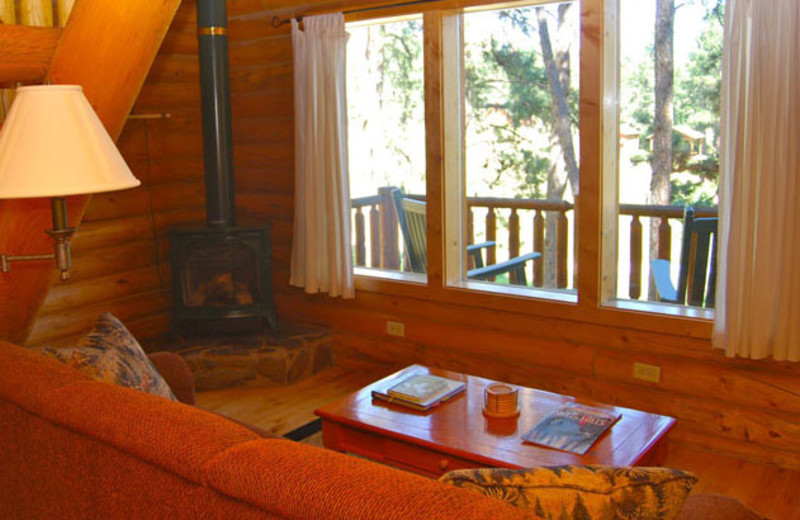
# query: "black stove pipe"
{"type": "Point", "coordinates": [212, 36]}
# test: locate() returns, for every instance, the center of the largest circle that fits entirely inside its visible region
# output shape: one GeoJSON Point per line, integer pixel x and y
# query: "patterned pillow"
{"type": "Point", "coordinates": [110, 353]}
{"type": "Point", "coordinates": [583, 492]}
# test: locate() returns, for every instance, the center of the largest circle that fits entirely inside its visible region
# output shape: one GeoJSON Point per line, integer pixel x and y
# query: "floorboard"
{"type": "Point", "coordinates": [772, 492]}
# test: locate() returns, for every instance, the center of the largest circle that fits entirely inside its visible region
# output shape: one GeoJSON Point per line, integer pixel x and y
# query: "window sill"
{"type": "Point", "coordinates": [386, 274]}
{"type": "Point", "coordinates": [662, 309]}
{"type": "Point", "coordinates": [553, 295]}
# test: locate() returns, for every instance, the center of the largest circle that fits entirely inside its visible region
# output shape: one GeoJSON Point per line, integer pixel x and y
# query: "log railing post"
{"type": "Point", "coordinates": [361, 251]}
{"type": "Point", "coordinates": [635, 285]}
{"type": "Point", "coordinates": [664, 239]}
{"type": "Point", "coordinates": [513, 239]}
{"type": "Point", "coordinates": [390, 254]}
{"type": "Point", "coordinates": [491, 235]}
{"type": "Point", "coordinates": [374, 236]}
{"type": "Point", "coordinates": [538, 246]}
{"type": "Point", "coordinates": [561, 252]}
{"type": "Point", "coordinates": [470, 236]}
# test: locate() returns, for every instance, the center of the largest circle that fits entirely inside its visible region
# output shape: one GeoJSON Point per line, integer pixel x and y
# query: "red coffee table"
{"type": "Point", "coordinates": [456, 434]}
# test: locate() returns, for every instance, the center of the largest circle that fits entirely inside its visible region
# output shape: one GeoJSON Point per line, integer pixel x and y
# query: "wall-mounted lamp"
{"type": "Point", "coordinates": [52, 144]}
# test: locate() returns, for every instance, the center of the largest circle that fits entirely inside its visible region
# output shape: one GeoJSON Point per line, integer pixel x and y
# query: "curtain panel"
{"type": "Point", "coordinates": [321, 250]}
{"type": "Point", "coordinates": [757, 313]}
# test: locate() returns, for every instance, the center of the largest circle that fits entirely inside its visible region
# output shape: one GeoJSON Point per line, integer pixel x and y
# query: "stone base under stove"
{"type": "Point", "coordinates": [258, 358]}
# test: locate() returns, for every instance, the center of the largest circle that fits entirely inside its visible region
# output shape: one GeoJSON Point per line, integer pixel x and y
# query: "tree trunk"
{"type": "Point", "coordinates": [560, 108]}
{"type": "Point", "coordinates": [662, 120]}
{"type": "Point", "coordinates": [563, 152]}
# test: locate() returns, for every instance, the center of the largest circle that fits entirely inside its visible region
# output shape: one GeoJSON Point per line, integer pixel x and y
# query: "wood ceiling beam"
{"type": "Point", "coordinates": [26, 53]}
{"type": "Point", "coordinates": [108, 48]}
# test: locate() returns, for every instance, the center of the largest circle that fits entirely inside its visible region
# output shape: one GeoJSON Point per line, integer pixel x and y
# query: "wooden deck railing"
{"type": "Point", "coordinates": [382, 236]}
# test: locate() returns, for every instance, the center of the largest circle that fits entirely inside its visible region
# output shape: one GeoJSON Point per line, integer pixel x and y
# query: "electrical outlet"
{"type": "Point", "coordinates": [395, 328]}
{"type": "Point", "coordinates": [645, 372]}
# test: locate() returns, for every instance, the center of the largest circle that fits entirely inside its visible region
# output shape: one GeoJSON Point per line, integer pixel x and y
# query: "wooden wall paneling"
{"type": "Point", "coordinates": [254, 155]}
{"type": "Point", "coordinates": [266, 51]}
{"type": "Point", "coordinates": [243, 7]}
{"type": "Point", "coordinates": [98, 290]}
{"type": "Point", "coordinates": [253, 26]}
{"type": "Point", "coordinates": [267, 206]}
{"type": "Point", "coordinates": [104, 233]}
{"type": "Point", "coordinates": [393, 354]}
{"type": "Point", "coordinates": [170, 169]}
{"type": "Point", "coordinates": [176, 68]}
{"type": "Point", "coordinates": [105, 261]}
{"type": "Point", "coordinates": [192, 217]}
{"type": "Point", "coordinates": [759, 390]}
{"type": "Point", "coordinates": [117, 204]}
{"type": "Point", "coordinates": [79, 321]}
{"type": "Point", "coordinates": [252, 79]}
{"type": "Point", "coordinates": [165, 97]}
{"type": "Point", "coordinates": [26, 52]}
{"type": "Point", "coordinates": [265, 130]}
{"type": "Point", "coordinates": [182, 195]}
{"type": "Point", "coordinates": [264, 180]}
{"type": "Point", "coordinates": [181, 42]}
{"type": "Point", "coordinates": [278, 103]}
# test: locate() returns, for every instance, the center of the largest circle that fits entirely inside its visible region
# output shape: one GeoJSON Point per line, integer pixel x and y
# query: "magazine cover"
{"type": "Point", "coordinates": [572, 427]}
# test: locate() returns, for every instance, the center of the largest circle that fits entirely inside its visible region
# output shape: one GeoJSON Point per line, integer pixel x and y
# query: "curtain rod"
{"type": "Point", "coordinates": [277, 22]}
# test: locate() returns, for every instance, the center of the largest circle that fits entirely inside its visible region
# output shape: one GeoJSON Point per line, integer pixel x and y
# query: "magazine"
{"type": "Point", "coordinates": [572, 427]}
{"type": "Point", "coordinates": [449, 390]}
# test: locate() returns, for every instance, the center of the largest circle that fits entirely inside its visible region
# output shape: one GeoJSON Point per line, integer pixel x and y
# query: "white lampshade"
{"type": "Point", "coordinates": [52, 144]}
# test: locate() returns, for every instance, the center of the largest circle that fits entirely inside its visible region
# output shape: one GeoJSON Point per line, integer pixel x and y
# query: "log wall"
{"type": "Point", "coordinates": [746, 408]}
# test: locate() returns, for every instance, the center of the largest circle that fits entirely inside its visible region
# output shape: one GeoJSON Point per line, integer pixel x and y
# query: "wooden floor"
{"type": "Point", "coordinates": [772, 492]}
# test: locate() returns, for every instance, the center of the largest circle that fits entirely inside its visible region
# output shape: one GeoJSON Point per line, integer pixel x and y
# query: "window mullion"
{"type": "Point", "coordinates": [589, 203]}
{"type": "Point", "coordinates": [434, 145]}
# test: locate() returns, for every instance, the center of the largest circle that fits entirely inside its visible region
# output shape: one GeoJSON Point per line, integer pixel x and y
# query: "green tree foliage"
{"type": "Point", "coordinates": [696, 105]}
{"type": "Point", "coordinates": [506, 75]}
{"type": "Point", "coordinates": [401, 50]}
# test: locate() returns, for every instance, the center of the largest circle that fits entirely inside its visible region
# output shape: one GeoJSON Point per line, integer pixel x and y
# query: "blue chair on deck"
{"type": "Point", "coordinates": [697, 276]}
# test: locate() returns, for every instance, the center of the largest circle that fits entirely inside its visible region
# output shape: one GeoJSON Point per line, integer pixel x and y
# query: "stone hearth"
{"type": "Point", "coordinates": [258, 359]}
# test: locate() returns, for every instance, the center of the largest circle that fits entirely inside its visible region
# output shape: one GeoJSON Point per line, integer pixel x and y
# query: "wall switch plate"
{"type": "Point", "coordinates": [645, 372]}
{"type": "Point", "coordinates": [395, 328]}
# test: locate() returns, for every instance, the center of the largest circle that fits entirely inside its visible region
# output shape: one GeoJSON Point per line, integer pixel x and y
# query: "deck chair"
{"type": "Point", "coordinates": [413, 225]}
{"type": "Point", "coordinates": [697, 277]}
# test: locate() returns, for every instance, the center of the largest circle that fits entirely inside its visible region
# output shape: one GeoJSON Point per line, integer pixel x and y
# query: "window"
{"type": "Point", "coordinates": [529, 125]}
{"type": "Point", "coordinates": [667, 152]}
{"type": "Point", "coordinates": [386, 134]}
{"type": "Point", "coordinates": [518, 125]}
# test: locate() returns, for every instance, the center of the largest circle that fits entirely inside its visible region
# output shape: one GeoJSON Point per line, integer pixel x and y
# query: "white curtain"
{"type": "Point", "coordinates": [757, 314]}
{"type": "Point", "coordinates": [321, 251]}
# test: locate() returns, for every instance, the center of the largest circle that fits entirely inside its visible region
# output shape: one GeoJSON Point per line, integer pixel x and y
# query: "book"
{"type": "Point", "coordinates": [449, 390]}
{"type": "Point", "coordinates": [417, 388]}
{"type": "Point", "coordinates": [572, 427]}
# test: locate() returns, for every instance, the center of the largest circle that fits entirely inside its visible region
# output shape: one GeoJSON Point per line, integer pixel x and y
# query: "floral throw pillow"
{"type": "Point", "coordinates": [583, 492]}
{"type": "Point", "coordinates": [110, 353]}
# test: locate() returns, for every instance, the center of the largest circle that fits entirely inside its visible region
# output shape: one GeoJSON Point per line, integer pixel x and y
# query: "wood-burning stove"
{"type": "Point", "coordinates": [220, 271]}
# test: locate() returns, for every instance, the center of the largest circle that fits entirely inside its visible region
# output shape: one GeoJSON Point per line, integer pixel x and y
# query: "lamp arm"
{"type": "Point", "coordinates": [60, 234]}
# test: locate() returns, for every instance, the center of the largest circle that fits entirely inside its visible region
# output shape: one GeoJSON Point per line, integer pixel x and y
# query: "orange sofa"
{"type": "Point", "coordinates": [74, 448]}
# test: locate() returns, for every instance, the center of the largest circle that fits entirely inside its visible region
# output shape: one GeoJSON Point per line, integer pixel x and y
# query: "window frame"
{"type": "Point", "coordinates": [594, 244]}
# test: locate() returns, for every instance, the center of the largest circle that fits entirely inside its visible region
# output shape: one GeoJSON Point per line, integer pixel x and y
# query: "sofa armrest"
{"type": "Point", "coordinates": [709, 506]}
{"type": "Point", "coordinates": [176, 373]}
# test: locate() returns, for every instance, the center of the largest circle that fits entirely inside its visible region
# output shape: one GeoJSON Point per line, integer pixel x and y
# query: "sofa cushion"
{"type": "Point", "coordinates": [577, 492]}
{"type": "Point", "coordinates": [110, 353]}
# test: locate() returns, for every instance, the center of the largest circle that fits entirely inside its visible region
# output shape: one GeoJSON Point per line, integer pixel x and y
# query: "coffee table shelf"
{"type": "Point", "coordinates": [456, 434]}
